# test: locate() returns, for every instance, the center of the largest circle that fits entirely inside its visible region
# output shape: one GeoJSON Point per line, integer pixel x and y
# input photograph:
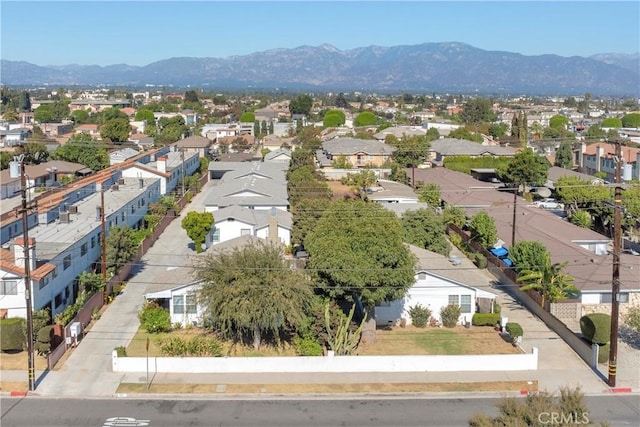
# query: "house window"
{"type": "Point", "coordinates": [9, 287]}
{"type": "Point", "coordinates": [122, 216]}
{"type": "Point", "coordinates": [93, 242]}
{"type": "Point", "coordinates": [191, 304]}
{"type": "Point", "coordinates": [245, 231]}
{"type": "Point", "coordinates": [54, 273]}
{"type": "Point", "coordinates": [465, 303]}
{"type": "Point", "coordinates": [606, 298]}
{"type": "Point", "coordinates": [83, 249]}
{"type": "Point", "coordinates": [58, 300]}
{"type": "Point", "coordinates": [133, 209]}
{"type": "Point", "coordinates": [178, 304]}
{"type": "Point", "coordinates": [454, 300]}
{"type": "Point", "coordinates": [215, 236]}
{"type": "Point", "coordinates": [66, 262]}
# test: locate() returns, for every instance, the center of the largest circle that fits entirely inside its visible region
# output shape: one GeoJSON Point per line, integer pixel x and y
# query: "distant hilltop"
{"type": "Point", "coordinates": [428, 67]}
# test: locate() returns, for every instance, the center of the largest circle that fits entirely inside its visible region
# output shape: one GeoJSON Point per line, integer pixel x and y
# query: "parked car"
{"type": "Point", "coordinates": [631, 252]}
{"type": "Point", "coordinates": [548, 204]}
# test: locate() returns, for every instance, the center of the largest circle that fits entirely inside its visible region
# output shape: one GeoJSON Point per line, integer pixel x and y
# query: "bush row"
{"type": "Point", "coordinates": [485, 319]}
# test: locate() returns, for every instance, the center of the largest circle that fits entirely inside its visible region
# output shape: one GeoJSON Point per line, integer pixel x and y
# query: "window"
{"type": "Point", "coordinates": [43, 282]}
{"type": "Point", "coordinates": [133, 209]}
{"type": "Point", "coordinates": [465, 303]}
{"type": "Point", "coordinates": [454, 299]}
{"type": "Point", "coordinates": [606, 298]}
{"type": "Point", "coordinates": [245, 231]}
{"type": "Point", "coordinates": [178, 304]}
{"type": "Point", "coordinates": [9, 287]}
{"type": "Point", "coordinates": [93, 242]}
{"type": "Point", "coordinates": [54, 273]}
{"type": "Point", "coordinates": [184, 304]}
{"type": "Point", "coordinates": [191, 304]}
{"type": "Point", "coordinates": [122, 216]}
{"type": "Point", "coordinates": [215, 236]}
{"type": "Point", "coordinates": [58, 300]}
{"type": "Point", "coordinates": [83, 249]}
{"type": "Point", "coordinates": [66, 262]}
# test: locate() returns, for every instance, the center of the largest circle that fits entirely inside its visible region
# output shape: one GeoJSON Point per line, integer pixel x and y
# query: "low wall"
{"type": "Point", "coordinates": [218, 365]}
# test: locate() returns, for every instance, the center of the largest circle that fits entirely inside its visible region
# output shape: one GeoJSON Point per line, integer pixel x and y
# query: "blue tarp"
{"type": "Point", "coordinates": [499, 252]}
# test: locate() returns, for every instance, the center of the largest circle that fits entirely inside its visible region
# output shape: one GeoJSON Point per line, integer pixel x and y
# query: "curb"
{"type": "Point", "coordinates": [621, 390]}
{"type": "Point", "coordinates": [18, 394]}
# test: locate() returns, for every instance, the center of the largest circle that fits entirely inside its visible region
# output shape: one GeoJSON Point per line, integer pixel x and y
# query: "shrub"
{"type": "Point", "coordinates": [195, 347]}
{"type": "Point", "coordinates": [154, 318]}
{"type": "Point", "coordinates": [43, 340]}
{"type": "Point", "coordinates": [307, 346]}
{"type": "Point", "coordinates": [496, 307]}
{"type": "Point", "coordinates": [121, 351]}
{"type": "Point", "coordinates": [450, 315]}
{"type": "Point", "coordinates": [596, 327]}
{"type": "Point", "coordinates": [480, 260]}
{"type": "Point", "coordinates": [485, 319]}
{"type": "Point", "coordinates": [603, 352]}
{"type": "Point", "coordinates": [514, 329]}
{"type": "Point", "coordinates": [632, 318]}
{"type": "Point", "coordinates": [419, 315]}
{"type": "Point", "coordinates": [11, 334]}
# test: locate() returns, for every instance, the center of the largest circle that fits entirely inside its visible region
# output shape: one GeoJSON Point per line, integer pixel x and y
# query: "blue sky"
{"type": "Point", "coordinates": [140, 32]}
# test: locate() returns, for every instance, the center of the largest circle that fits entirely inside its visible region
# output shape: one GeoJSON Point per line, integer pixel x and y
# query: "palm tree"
{"type": "Point", "coordinates": [549, 280]}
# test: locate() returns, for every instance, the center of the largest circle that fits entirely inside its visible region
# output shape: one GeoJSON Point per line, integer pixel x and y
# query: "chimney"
{"type": "Point", "coordinates": [273, 227]}
{"type": "Point", "coordinates": [599, 154]}
{"type": "Point", "coordinates": [162, 164]}
{"type": "Point", "coordinates": [18, 252]}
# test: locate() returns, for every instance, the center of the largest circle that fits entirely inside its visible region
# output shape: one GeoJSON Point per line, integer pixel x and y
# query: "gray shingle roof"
{"type": "Point", "coordinates": [350, 146]}
{"type": "Point", "coordinates": [461, 147]}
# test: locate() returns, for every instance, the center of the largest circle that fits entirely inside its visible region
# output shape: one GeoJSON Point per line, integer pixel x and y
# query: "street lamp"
{"type": "Point", "coordinates": [17, 169]}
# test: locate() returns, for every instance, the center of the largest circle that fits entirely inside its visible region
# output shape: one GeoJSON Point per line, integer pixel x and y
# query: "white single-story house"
{"type": "Point", "coordinates": [182, 302]}
{"type": "Point", "coordinates": [235, 221]}
{"type": "Point", "coordinates": [435, 291]}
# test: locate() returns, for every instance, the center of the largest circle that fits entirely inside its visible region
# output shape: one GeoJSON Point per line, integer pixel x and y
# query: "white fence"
{"type": "Point", "coordinates": [488, 362]}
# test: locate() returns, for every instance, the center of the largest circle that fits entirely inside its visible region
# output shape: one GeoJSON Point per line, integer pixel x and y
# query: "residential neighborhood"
{"type": "Point", "coordinates": [420, 224]}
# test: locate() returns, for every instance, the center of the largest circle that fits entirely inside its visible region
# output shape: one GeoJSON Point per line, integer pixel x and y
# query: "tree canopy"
{"type": "Point", "coordinates": [251, 291]}
{"type": "Point", "coordinates": [558, 122]}
{"type": "Point", "coordinates": [115, 130]}
{"type": "Point", "coordinates": [333, 118]}
{"type": "Point", "coordinates": [426, 229]}
{"type": "Point", "coordinates": [528, 255]}
{"type": "Point", "coordinates": [477, 110]}
{"type": "Point", "coordinates": [612, 122]}
{"type": "Point", "coordinates": [121, 247]}
{"type": "Point", "coordinates": [631, 120]}
{"type": "Point", "coordinates": [366, 118]}
{"type": "Point", "coordinates": [564, 156]}
{"type": "Point", "coordinates": [483, 229]}
{"type": "Point", "coordinates": [197, 225]}
{"type": "Point", "coordinates": [301, 105]}
{"type": "Point", "coordinates": [526, 167]}
{"type": "Point", "coordinates": [81, 148]}
{"type": "Point", "coordinates": [145, 114]}
{"type": "Point", "coordinates": [357, 248]}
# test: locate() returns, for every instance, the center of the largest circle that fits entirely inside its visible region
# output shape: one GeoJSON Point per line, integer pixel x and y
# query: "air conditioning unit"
{"type": "Point", "coordinates": [64, 217]}
{"type": "Point", "coordinates": [73, 209]}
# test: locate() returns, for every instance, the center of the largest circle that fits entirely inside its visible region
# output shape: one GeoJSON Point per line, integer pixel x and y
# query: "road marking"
{"type": "Point", "coordinates": [125, 422]}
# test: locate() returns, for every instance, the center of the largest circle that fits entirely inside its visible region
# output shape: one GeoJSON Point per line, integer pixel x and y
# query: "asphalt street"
{"type": "Point", "coordinates": [618, 410]}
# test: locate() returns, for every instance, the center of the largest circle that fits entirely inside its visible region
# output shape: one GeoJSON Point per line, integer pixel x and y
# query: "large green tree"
{"type": "Point", "coordinates": [412, 150]}
{"type": "Point", "coordinates": [333, 118]}
{"type": "Point", "coordinates": [251, 291]}
{"type": "Point", "coordinates": [81, 148]}
{"type": "Point", "coordinates": [197, 225]}
{"type": "Point", "coordinates": [357, 249]}
{"type": "Point", "coordinates": [528, 255]}
{"type": "Point", "coordinates": [430, 194]}
{"type": "Point", "coordinates": [564, 156]}
{"type": "Point", "coordinates": [612, 122]}
{"type": "Point", "coordinates": [121, 247]}
{"type": "Point", "coordinates": [144, 114]}
{"type": "Point", "coordinates": [426, 229]}
{"type": "Point", "coordinates": [478, 110]}
{"type": "Point", "coordinates": [483, 229]}
{"type": "Point", "coordinates": [526, 168]}
{"type": "Point", "coordinates": [631, 120]}
{"type": "Point", "coordinates": [301, 105]}
{"type": "Point", "coordinates": [366, 118]}
{"type": "Point", "coordinates": [558, 122]}
{"type": "Point", "coordinates": [115, 130]}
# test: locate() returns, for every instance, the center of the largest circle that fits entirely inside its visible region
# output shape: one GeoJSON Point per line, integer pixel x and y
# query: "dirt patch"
{"type": "Point", "coordinates": [340, 191]}
{"type": "Point", "coordinates": [18, 361]}
{"type": "Point", "coordinates": [496, 386]}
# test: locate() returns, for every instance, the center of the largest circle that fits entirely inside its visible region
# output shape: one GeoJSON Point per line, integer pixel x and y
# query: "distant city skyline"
{"type": "Point", "coordinates": [141, 32]}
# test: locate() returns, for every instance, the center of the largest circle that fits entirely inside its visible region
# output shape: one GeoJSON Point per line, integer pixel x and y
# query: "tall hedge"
{"type": "Point", "coordinates": [596, 327]}
{"type": "Point", "coordinates": [12, 334]}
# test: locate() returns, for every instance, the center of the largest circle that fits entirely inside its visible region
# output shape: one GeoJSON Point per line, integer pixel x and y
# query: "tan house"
{"type": "Point", "coordinates": [359, 153]}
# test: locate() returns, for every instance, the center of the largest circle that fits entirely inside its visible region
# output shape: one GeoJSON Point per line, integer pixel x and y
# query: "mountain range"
{"type": "Point", "coordinates": [428, 67]}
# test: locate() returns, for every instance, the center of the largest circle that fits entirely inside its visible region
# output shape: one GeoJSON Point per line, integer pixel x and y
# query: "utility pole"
{"type": "Point", "coordinates": [24, 209]}
{"type": "Point", "coordinates": [515, 205]}
{"type": "Point", "coordinates": [182, 161]}
{"type": "Point", "coordinates": [103, 245]}
{"type": "Point", "coordinates": [615, 284]}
